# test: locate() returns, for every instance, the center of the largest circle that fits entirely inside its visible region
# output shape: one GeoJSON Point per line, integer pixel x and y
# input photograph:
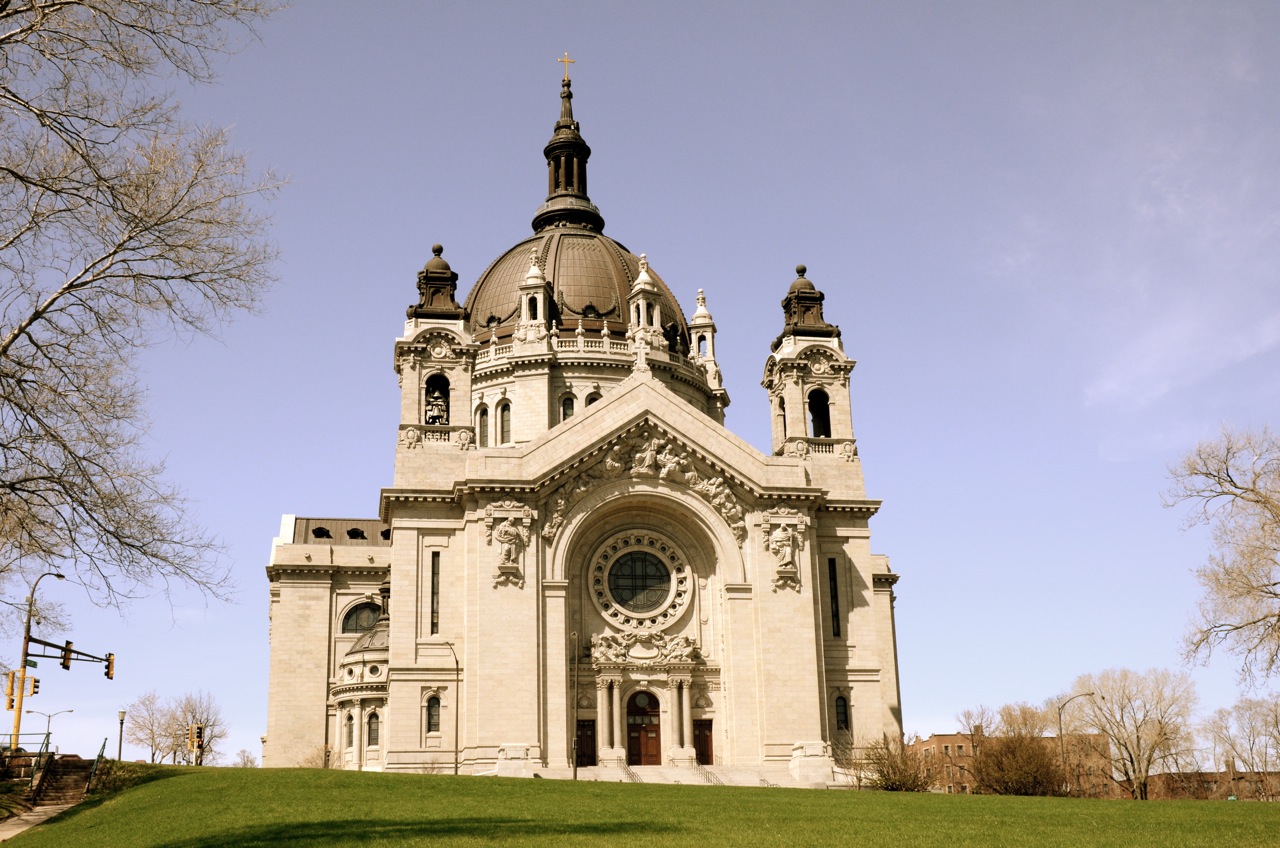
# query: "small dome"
{"type": "Point", "coordinates": [801, 284]}
{"type": "Point", "coordinates": [590, 276]}
{"type": "Point", "coordinates": [437, 263]}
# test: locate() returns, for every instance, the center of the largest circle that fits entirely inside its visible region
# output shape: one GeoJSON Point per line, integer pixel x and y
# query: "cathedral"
{"type": "Point", "coordinates": [576, 565]}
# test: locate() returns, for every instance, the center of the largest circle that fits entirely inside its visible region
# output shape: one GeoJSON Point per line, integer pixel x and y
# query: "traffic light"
{"type": "Point", "coordinates": [35, 685]}
{"type": "Point", "coordinates": [199, 737]}
{"type": "Point", "coordinates": [191, 737]}
{"type": "Point", "coordinates": [66, 656]}
{"type": "Point", "coordinates": [8, 690]}
{"type": "Point", "coordinates": [110, 670]}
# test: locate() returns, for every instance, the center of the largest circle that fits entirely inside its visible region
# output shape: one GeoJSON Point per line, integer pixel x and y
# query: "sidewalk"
{"type": "Point", "coordinates": [10, 828]}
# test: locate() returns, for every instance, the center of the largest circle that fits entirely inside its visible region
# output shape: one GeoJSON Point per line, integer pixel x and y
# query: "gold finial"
{"type": "Point", "coordinates": [566, 61]}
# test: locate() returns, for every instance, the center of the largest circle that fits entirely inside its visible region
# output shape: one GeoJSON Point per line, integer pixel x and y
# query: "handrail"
{"type": "Point", "coordinates": [40, 756]}
{"type": "Point", "coordinates": [94, 771]}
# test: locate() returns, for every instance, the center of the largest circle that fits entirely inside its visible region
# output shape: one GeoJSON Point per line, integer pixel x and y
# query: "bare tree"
{"type": "Point", "coordinates": [118, 222]}
{"type": "Point", "coordinates": [199, 709]}
{"type": "Point", "coordinates": [1146, 719]}
{"type": "Point", "coordinates": [1246, 742]}
{"type": "Point", "coordinates": [245, 759]}
{"type": "Point", "coordinates": [1233, 483]}
{"type": "Point", "coordinates": [147, 725]}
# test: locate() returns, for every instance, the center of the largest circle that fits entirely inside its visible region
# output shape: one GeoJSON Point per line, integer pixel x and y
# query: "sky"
{"type": "Point", "coordinates": [1050, 233]}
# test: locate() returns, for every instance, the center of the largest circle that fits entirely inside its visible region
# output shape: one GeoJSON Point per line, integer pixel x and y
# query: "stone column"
{"type": "Point", "coordinates": [686, 712]}
{"type": "Point", "coordinates": [619, 718]}
{"type": "Point", "coordinates": [604, 719]}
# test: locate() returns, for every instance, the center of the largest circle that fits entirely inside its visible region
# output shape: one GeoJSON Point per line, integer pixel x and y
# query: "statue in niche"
{"type": "Point", "coordinates": [511, 541]}
{"type": "Point", "coordinates": [437, 408]}
{"type": "Point", "coordinates": [782, 544]}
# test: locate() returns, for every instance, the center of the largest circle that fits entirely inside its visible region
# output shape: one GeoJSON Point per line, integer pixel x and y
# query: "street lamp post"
{"type": "Point", "coordinates": [49, 717]}
{"type": "Point", "coordinates": [1062, 745]}
{"type": "Point", "coordinates": [21, 678]}
{"type": "Point", "coordinates": [120, 738]}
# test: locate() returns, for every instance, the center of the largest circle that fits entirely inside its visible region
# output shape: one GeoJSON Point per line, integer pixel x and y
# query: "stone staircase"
{"type": "Point", "coordinates": [66, 781]}
{"type": "Point", "coordinates": [687, 775]}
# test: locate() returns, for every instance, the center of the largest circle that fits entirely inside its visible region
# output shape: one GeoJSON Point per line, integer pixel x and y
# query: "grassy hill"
{"type": "Point", "coordinates": [185, 808]}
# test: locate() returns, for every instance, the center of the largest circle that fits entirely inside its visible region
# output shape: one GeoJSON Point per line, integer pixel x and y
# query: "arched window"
{"type": "Point", "coordinates": [435, 408]}
{"type": "Point", "coordinates": [842, 713]}
{"type": "Point", "coordinates": [482, 426]}
{"type": "Point", "coordinates": [433, 714]}
{"type": "Point", "coordinates": [371, 738]}
{"type": "Point", "coordinates": [702, 344]}
{"type": "Point", "coordinates": [819, 414]}
{"type": "Point", "coordinates": [533, 307]}
{"type": "Point", "coordinates": [504, 424]}
{"type": "Point", "coordinates": [592, 398]}
{"type": "Point", "coordinates": [351, 730]}
{"type": "Point", "coordinates": [566, 408]}
{"type": "Point", "coordinates": [360, 618]}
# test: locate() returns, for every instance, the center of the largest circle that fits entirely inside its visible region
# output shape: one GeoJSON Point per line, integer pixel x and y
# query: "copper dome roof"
{"type": "Point", "coordinates": [590, 276]}
{"type": "Point", "coordinates": [589, 273]}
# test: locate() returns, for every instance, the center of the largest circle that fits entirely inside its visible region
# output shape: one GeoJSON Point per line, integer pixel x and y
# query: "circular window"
{"type": "Point", "coordinates": [639, 581]}
{"type": "Point", "coordinates": [373, 671]}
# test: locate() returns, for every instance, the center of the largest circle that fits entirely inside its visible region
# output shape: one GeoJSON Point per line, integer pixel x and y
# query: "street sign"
{"type": "Point", "coordinates": [31, 663]}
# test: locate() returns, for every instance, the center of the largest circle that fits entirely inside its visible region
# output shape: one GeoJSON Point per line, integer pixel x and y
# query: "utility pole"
{"type": "Point", "coordinates": [21, 677]}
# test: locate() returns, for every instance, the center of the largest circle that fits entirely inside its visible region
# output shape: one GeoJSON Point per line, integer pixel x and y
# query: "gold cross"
{"type": "Point", "coordinates": [566, 61]}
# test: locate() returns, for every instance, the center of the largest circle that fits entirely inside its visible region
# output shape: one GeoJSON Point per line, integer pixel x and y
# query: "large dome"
{"type": "Point", "coordinates": [590, 276]}
{"type": "Point", "coordinates": [589, 273]}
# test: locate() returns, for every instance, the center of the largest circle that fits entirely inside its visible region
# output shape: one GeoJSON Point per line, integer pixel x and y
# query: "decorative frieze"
{"type": "Point", "coordinates": [642, 650]}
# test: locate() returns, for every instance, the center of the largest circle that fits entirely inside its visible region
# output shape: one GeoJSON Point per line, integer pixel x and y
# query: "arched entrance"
{"type": "Point", "coordinates": [644, 735]}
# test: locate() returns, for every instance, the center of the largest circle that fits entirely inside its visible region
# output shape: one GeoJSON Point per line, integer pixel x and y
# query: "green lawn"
{"type": "Point", "coordinates": [256, 807]}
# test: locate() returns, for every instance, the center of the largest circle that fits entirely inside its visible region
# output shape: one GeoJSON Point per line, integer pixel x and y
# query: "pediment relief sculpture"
{"type": "Point", "coordinates": [648, 453]}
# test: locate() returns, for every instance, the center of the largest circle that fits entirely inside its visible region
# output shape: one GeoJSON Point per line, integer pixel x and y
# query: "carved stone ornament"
{"type": "Point", "coordinates": [783, 529]}
{"type": "Point", "coordinates": [798, 448]}
{"type": "Point", "coordinates": [647, 453]}
{"type": "Point", "coordinates": [642, 650]}
{"type": "Point", "coordinates": [507, 523]}
{"type": "Point", "coordinates": [849, 451]}
{"type": "Point", "coordinates": [413, 436]}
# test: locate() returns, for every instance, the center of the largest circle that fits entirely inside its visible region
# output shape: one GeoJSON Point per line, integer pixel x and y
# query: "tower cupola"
{"type": "Point", "coordinates": [567, 203]}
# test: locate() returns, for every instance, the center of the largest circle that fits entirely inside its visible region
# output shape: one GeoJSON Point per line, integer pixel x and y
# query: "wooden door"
{"type": "Point", "coordinates": [586, 754]}
{"type": "Point", "coordinates": [644, 735]}
{"type": "Point", "coordinates": [702, 742]}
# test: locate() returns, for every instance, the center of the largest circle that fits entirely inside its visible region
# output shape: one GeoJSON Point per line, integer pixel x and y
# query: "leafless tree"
{"type": "Point", "coordinates": [200, 709]}
{"type": "Point", "coordinates": [1233, 483]}
{"type": "Point", "coordinates": [1246, 742]}
{"type": "Point", "coordinates": [119, 223]}
{"type": "Point", "coordinates": [147, 725]}
{"type": "Point", "coordinates": [1146, 719]}
{"type": "Point", "coordinates": [245, 759]}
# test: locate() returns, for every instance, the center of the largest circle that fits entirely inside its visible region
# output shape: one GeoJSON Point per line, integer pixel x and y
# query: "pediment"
{"type": "Point", "coordinates": [654, 437]}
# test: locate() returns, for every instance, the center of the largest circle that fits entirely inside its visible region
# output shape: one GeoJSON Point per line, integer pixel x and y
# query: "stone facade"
{"type": "Point", "coordinates": [576, 561]}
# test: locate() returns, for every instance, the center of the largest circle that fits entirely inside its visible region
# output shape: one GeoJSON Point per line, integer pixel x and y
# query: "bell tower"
{"type": "Point", "coordinates": [434, 360]}
{"type": "Point", "coordinates": [807, 378]}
